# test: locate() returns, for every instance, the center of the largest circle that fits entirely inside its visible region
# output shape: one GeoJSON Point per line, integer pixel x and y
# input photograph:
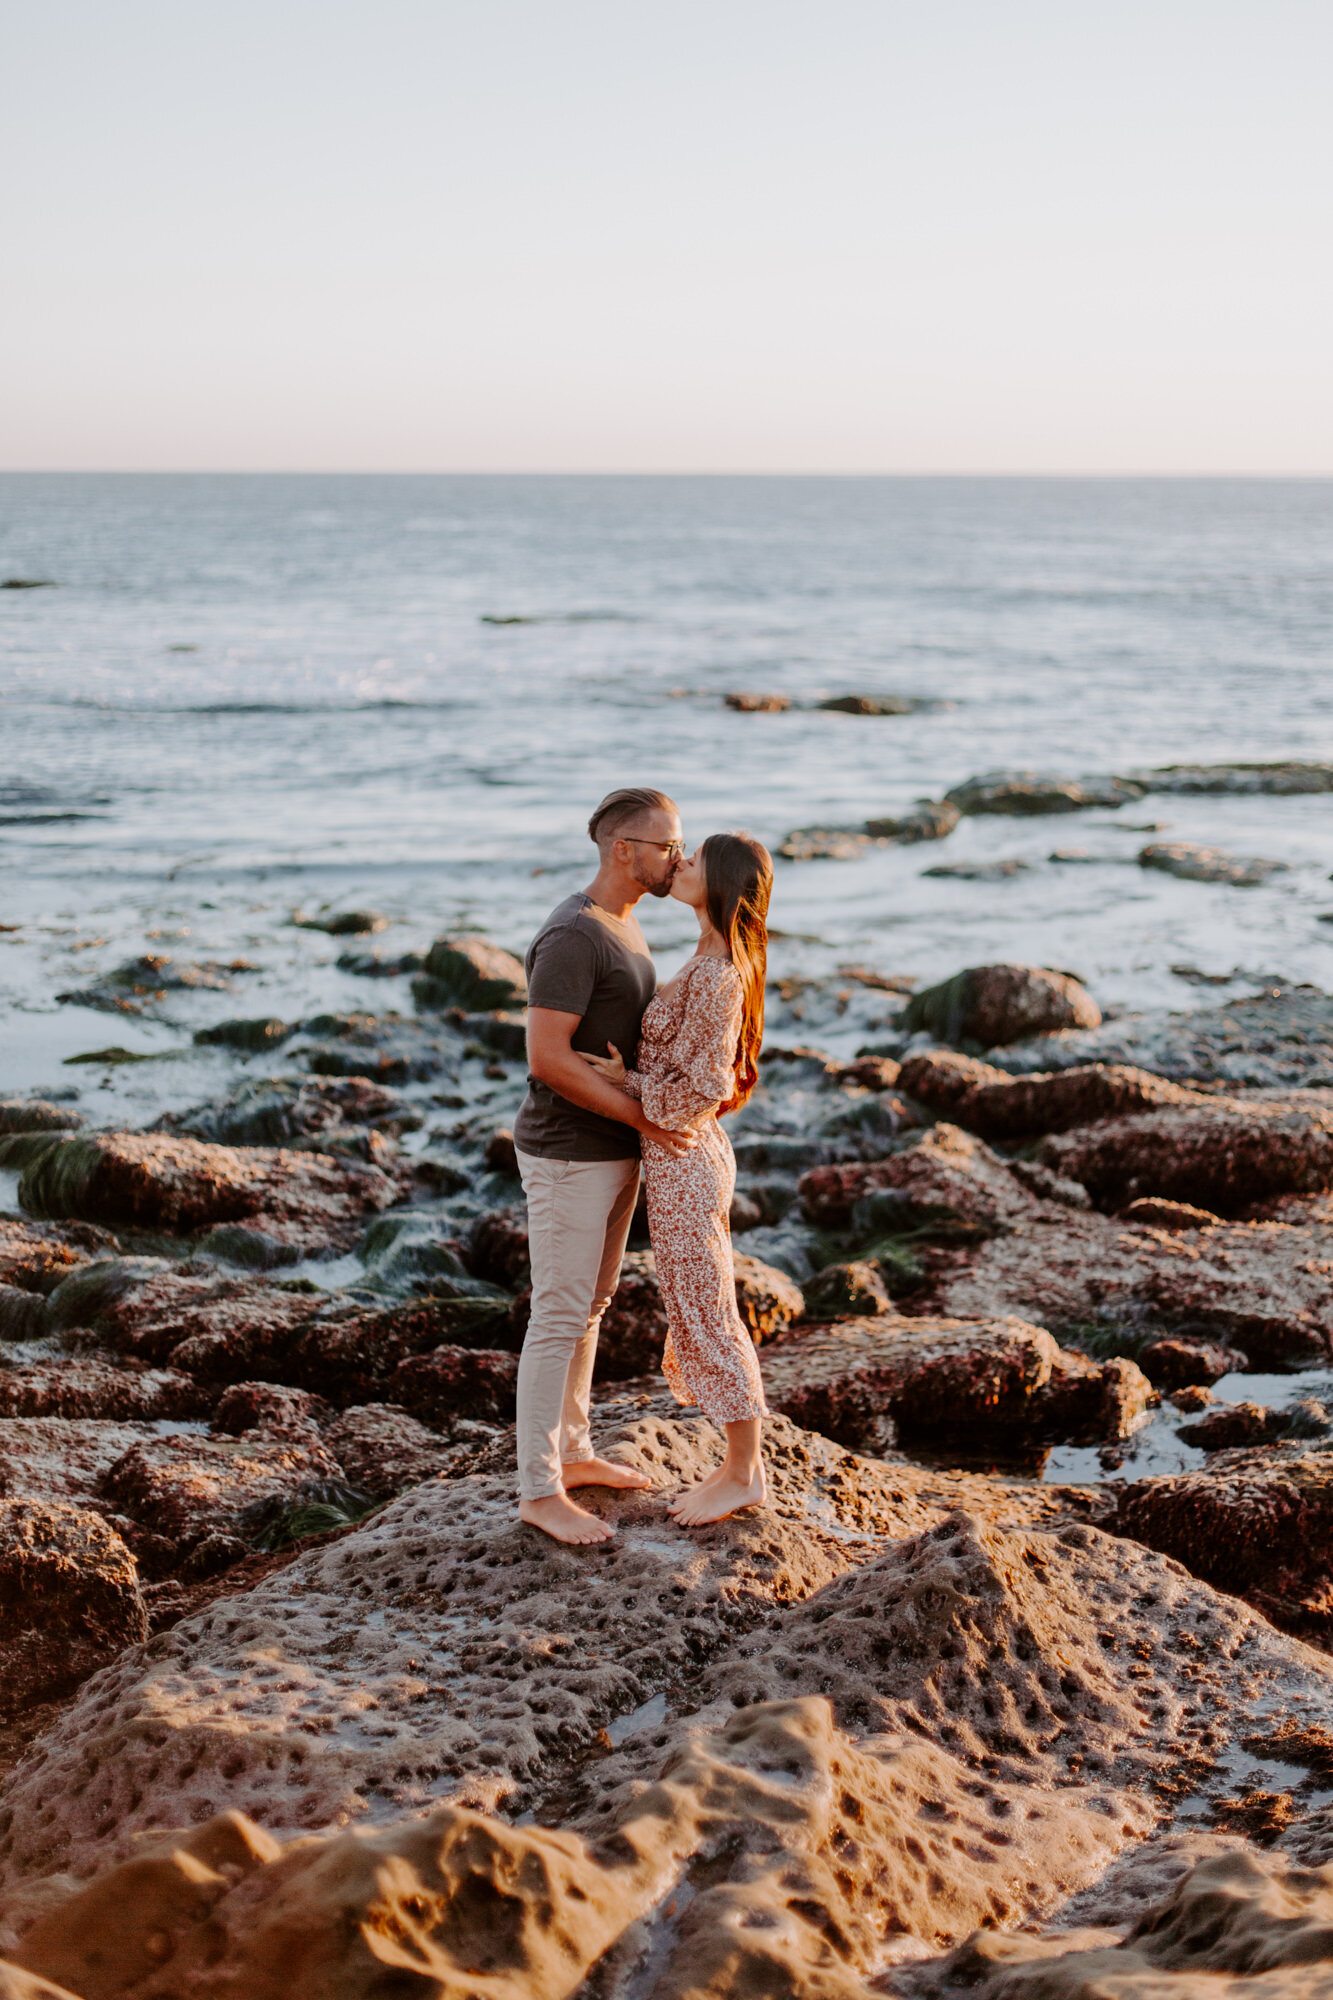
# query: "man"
{"type": "Point", "coordinates": [590, 977]}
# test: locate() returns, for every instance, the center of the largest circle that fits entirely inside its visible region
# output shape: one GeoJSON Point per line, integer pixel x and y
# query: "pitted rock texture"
{"type": "Point", "coordinates": [69, 1599]}
{"type": "Point", "coordinates": [991, 1005]}
{"type": "Point", "coordinates": [1000, 1380]}
{"type": "Point", "coordinates": [147, 1308]}
{"type": "Point", "coordinates": [802, 1846]}
{"type": "Point", "coordinates": [1225, 1154]}
{"type": "Point", "coordinates": [445, 1651]}
{"type": "Point", "coordinates": [307, 1201]}
{"type": "Point", "coordinates": [1237, 1924]}
{"type": "Point", "coordinates": [942, 1178]}
{"type": "Point", "coordinates": [996, 1105]}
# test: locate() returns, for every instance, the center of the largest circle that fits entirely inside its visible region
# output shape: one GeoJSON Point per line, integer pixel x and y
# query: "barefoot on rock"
{"type": "Point", "coordinates": [603, 1472]}
{"type": "Point", "coordinates": [717, 1497]}
{"type": "Point", "coordinates": [559, 1517]}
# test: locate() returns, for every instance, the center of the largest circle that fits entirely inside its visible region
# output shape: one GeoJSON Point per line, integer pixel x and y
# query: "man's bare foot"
{"type": "Point", "coordinates": [603, 1472]}
{"type": "Point", "coordinates": [714, 1500]}
{"type": "Point", "coordinates": [559, 1518]}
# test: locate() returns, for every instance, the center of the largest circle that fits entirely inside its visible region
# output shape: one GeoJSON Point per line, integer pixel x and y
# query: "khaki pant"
{"type": "Point", "coordinates": [579, 1213]}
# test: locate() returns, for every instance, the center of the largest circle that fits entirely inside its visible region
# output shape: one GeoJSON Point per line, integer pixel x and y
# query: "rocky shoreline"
{"type": "Point", "coordinates": [1021, 1683]}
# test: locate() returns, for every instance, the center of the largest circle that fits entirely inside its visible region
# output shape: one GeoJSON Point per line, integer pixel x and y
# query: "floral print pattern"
{"type": "Point", "coordinates": [686, 1071]}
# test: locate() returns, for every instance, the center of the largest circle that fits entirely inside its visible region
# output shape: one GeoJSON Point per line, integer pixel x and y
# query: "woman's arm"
{"type": "Point", "coordinates": [701, 1074]}
{"type": "Point", "coordinates": [562, 1069]}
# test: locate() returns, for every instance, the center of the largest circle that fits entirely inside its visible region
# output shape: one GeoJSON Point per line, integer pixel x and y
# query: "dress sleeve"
{"type": "Point", "coordinates": [701, 1074]}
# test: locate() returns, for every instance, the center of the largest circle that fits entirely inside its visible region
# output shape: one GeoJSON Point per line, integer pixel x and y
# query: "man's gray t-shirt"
{"type": "Point", "coordinates": [585, 961]}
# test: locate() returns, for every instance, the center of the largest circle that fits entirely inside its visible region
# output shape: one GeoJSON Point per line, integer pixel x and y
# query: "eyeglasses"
{"type": "Point", "coordinates": [675, 849]}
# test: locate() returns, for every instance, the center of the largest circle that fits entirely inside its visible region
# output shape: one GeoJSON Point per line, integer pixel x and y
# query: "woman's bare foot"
{"type": "Point", "coordinates": [706, 1485]}
{"type": "Point", "coordinates": [603, 1472]}
{"type": "Point", "coordinates": [563, 1521]}
{"type": "Point", "coordinates": [714, 1499]}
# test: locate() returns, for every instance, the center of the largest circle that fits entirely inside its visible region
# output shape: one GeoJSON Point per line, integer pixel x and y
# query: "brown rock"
{"type": "Point", "coordinates": [90, 1387]}
{"type": "Point", "coordinates": [1194, 863]}
{"type": "Point", "coordinates": [62, 1458]}
{"type": "Point", "coordinates": [498, 1248]}
{"type": "Point", "coordinates": [1193, 1397]}
{"type": "Point", "coordinates": [933, 819]}
{"type": "Point", "coordinates": [871, 1072]}
{"type": "Point", "coordinates": [147, 1180]}
{"type": "Point", "coordinates": [1156, 1214]}
{"type": "Point", "coordinates": [943, 1178]}
{"type": "Point", "coordinates": [634, 1326]}
{"type": "Point", "coordinates": [1003, 1381]}
{"type": "Point", "coordinates": [187, 1489]}
{"type": "Point", "coordinates": [846, 1291]}
{"type": "Point", "coordinates": [767, 1299]}
{"type": "Point", "coordinates": [1175, 1364]}
{"type": "Point", "coordinates": [69, 1599]}
{"type": "Point", "coordinates": [1223, 1154]}
{"type": "Point", "coordinates": [470, 972]}
{"type": "Point", "coordinates": [149, 1310]}
{"type": "Point", "coordinates": [383, 1450]}
{"type": "Point", "coordinates": [1263, 1287]}
{"type": "Point", "coordinates": [1237, 1922]}
{"type": "Point", "coordinates": [453, 1382]}
{"type": "Point", "coordinates": [271, 1408]}
{"type": "Point", "coordinates": [443, 1651]}
{"type": "Point", "coordinates": [35, 1259]}
{"type": "Point", "coordinates": [745, 1213]}
{"type": "Point", "coordinates": [500, 1155]}
{"type": "Point", "coordinates": [757, 704]}
{"type": "Point", "coordinates": [36, 1114]}
{"type": "Point", "coordinates": [986, 1100]}
{"type": "Point", "coordinates": [996, 1004]}
{"type": "Point", "coordinates": [1256, 1523]}
{"type": "Point", "coordinates": [1229, 1425]}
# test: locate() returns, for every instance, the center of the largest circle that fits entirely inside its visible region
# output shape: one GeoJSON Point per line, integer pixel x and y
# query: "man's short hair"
{"type": "Point", "coordinates": [622, 808]}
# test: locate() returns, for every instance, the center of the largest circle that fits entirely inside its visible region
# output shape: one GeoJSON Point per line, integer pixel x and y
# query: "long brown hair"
{"type": "Point", "coordinates": [738, 880]}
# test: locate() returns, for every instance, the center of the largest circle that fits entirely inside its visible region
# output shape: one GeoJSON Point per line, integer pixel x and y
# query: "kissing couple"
{"type": "Point", "coordinates": [627, 1077]}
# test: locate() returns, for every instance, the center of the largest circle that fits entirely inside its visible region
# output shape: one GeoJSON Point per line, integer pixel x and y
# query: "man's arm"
{"type": "Point", "coordinates": [554, 1063]}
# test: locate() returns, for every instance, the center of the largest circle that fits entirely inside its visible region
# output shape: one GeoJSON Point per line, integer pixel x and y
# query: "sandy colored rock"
{"type": "Point", "coordinates": [767, 1299]}
{"type": "Point", "coordinates": [145, 1180]}
{"type": "Point", "coordinates": [1223, 1154]}
{"type": "Point", "coordinates": [986, 1100]}
{"type": "Point", "coordinates": [746, 703]}
{"type": "Point", "coordinates": [1155, 1213]}
{"type": "Point", "coordinates": [69, 1599]}
{"type": "Point", "coordinates": [445, 1652]}
{"type": "Point", "coordinates": [1239, 1923]}
{"type": "Point", "coordinates": [996, 1004]}
{"type": "Point", "coordinates": [270, 1407]}
{"type": "Point", "coordinates": [87, 1386]}
{"type": "Point", "coordinates": [941, 1178]}
{"type": "Point", "coordinates": [933, 819]}
{"type": "Point", "coordinates": [1230, 1425]}
{"type": "Point", "coordinates": [846, 1291]}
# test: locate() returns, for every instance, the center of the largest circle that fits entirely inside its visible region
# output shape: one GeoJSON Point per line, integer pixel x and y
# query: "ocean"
{"type": "Point", "coordinates": [249, 697]}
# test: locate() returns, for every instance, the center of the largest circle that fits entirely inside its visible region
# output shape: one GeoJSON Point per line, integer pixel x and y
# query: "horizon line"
{"type": "Point", "coordinates": [641, 472]}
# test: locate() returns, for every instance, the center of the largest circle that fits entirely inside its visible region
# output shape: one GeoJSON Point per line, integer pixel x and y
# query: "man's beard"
{"type": "Point", "coordinates": [660, 888]}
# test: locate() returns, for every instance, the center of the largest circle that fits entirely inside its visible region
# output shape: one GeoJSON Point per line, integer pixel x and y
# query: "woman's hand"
{"type": "Point", "coordinates": [612, 1067]}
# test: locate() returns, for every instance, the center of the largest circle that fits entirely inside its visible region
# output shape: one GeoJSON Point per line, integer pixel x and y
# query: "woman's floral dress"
{"type": "Point", "coordinates": [686, 1071]}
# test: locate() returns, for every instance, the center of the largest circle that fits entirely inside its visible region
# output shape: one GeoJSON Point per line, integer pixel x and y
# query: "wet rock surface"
{"type": "Point", "coordinates": [990, 1005]}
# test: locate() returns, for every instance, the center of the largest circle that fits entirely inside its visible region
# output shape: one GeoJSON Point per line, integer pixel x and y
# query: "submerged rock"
{"type": "Point", "coordinates": [1207, 864]}
{"type": "Point", "coordinates": [35, 1114]}
{"type": "Point", "coordinates": [1028, 792]}
{"type": "Point", "coordinates": [873, 704]}
{"type": "Point", "coordinates": [757, 704]}
{"type": "Point", "coordinates": [978, 871]}
{"type": "Point", "coordinates": [932, 819]}
{"type": "Point", "coordinates": [995, 1004]}
{"type": "Point", "coordinates": [1283, 778]}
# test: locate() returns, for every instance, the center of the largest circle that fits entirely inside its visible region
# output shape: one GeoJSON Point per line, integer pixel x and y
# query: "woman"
{"type": "Point", "coordinates": [697, 1060]}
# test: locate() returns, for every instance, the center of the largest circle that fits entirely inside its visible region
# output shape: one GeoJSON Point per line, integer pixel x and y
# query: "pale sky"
{"type": "Point", "coordinates": [732, 235]}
